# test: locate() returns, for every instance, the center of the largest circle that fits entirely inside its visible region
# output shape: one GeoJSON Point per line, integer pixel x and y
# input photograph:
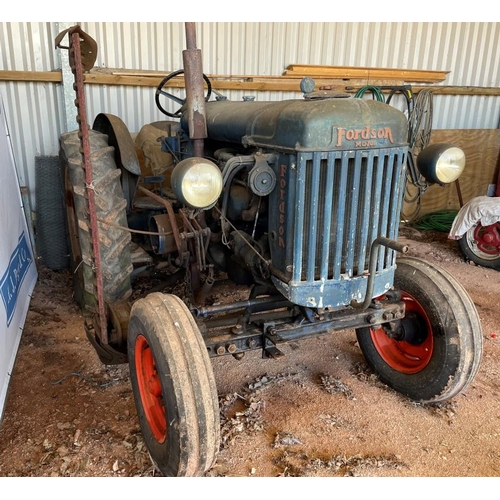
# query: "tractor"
{"type": "Point", "coordinates": [297, 201]}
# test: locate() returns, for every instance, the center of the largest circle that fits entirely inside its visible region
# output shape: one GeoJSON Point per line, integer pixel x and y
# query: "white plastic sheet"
{"type": "Point", "coordinates": [18, 272]}
{"type": "Point", "coordinates": [483, 209]}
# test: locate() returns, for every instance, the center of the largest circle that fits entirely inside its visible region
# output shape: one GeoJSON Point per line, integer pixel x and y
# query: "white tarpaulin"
{"type": "Point", "coordinates": [483, 209]}
{"type": "Point", "coordinates": [18, 273]}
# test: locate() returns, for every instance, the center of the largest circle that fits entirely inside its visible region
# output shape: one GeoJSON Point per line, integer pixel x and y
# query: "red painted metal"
{"type": "Point", "coordinates": [400, 355]}
{"type": "Point", "coordinates": [84, 137]}
{"type": "Point", "coordinates": [150, 389]}
{"type": "Point", "coordinates": [488, 238]}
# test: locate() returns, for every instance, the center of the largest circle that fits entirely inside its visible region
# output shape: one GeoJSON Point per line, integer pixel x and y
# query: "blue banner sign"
{"type": "Point", "coordinates": [11, 281]}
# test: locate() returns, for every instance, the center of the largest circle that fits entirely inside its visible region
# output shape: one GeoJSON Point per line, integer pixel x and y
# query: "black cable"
{"type": "Point", "coordinates": [420, 121]}
{"type": "Point", "coordinates": [407, 93]}
{"type": "Point", "coordinates": [419, 132]}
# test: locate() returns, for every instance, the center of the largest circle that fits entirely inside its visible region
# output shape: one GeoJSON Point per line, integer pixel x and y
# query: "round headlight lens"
{"type": "Point", "coordinates": [197, 182]}
{"type": "Point", "coordinates": [441, 163]}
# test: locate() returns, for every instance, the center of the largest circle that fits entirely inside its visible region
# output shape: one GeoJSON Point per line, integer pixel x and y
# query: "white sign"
{"type": "Point", "coordinates": [18, 273]}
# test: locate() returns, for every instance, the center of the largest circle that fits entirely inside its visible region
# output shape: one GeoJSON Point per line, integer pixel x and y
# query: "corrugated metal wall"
{"type": "Point", "coordinates": [36, 115]}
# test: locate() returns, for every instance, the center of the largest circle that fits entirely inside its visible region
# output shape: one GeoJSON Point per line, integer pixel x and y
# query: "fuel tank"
{"type": "Point", "coordinates": [306, 125]}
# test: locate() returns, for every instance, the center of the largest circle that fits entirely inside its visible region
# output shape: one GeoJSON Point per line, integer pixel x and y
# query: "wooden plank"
{"type": "Point", "coordinates": [101, 79]}
{"type": "Point", "coordinates": [482, 152]}
{"type": "Point", "coordinates": [280, 85]}
{"type": "Point", "coordinates": [408, 75]}
{"type": "Point", "coordinates": [246, 78]}
{"type": "Point", "coordinates": [138, 81]}
{"type": "Point", "coordinates": [222, 82]}
{"type": "Point", "coordinates": [459, 90]}
{"type": "Point", "coordinates": [30, 76]}
{"type": "Point", "coordinates": [162, 74]}
{"type": "Point", "coordinates": [320, 82]}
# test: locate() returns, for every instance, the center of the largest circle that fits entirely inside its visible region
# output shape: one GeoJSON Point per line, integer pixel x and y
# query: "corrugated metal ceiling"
{"type": "Point", "coordinates": [36, 115]}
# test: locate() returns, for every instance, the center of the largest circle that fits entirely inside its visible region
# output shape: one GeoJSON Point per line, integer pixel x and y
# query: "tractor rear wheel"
{"type": "Point", "coordinates": [114, 241]}
{"type": "Point", "coordinates": [436, 351]}
{"type": "Point", "coordinates": [173, 385]}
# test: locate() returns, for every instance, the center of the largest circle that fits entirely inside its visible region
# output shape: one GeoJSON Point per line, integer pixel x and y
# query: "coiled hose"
{"type": "Point", "coordinates": [441, 220]}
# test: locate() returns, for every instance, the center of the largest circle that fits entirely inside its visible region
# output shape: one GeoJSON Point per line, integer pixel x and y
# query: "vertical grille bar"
{"type": "Point", "coordinates": [312, 222]}
{"type": "Point", "coordinates": [340, 202]}
{"type": "Point", "coordinates": [327, 214]}
{"type": "Point", "coordinates": [301, 211]}
{"type": "Point", "coordinates": [387, 197]}
{"type": "Point", "coordinates": [353, 222]}
{"type": "Point", "coordinates": [397, 202]}
{"type": "Point", "coordinates": [376, 196]}
{"type": "Point", "coordinates": [366, 213]}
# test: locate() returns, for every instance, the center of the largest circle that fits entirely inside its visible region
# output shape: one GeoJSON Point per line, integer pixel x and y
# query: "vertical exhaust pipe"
{"type": "Point", "coordinates": [195, 92]}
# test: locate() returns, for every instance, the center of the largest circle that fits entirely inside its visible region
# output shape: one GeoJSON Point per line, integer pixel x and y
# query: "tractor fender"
{"type": "Point", "coordinates": [125, 152]}
{"type": "Point", "coordinates": [121, 139]}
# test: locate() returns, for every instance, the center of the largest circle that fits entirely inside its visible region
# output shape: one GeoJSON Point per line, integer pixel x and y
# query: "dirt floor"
{"type": "Point", "coordinates": [318, 411]}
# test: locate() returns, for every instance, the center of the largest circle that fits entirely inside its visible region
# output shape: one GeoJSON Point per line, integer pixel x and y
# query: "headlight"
{"type": "Point", "coordinates": [441, 163]}
{"type": "Point", "coordinates": [197, 182]}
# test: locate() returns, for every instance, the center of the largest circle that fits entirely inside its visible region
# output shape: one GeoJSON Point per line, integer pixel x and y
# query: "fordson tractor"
{"type": "Point", "coordinates": [299, 201]}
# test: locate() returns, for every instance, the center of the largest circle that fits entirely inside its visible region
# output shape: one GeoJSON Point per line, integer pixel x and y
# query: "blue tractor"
{"type": "Point", "coordinates": [297, 201]}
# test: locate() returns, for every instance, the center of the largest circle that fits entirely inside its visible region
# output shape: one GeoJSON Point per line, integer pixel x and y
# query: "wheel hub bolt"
{"type": "Point", "coordinates": [237, 330]}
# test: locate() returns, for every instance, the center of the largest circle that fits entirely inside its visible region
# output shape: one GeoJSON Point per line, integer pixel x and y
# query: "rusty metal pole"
{"type": "Point", "coordinates": [75, 51]}
{"type": "Point", "coordinates": [195, 92]}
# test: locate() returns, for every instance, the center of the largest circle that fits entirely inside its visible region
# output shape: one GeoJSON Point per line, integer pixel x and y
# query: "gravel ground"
{"type": "Point", "coordinates": [317, 412]}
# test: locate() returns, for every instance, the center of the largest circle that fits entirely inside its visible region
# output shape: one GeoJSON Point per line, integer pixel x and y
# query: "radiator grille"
{"type": "Point", "coordinates": [345, 200]}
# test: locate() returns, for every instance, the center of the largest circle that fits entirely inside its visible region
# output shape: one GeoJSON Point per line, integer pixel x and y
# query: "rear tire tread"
{"type": "Point", "coordinates": [114, 241]}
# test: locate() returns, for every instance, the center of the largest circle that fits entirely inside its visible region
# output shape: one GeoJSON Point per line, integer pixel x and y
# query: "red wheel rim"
{"type": "Point", "coordinates": [401, 355]}
{"type": "Point", "coordinates": [488, 239]}
{"type": "Point", "coordinates": [150, 389]}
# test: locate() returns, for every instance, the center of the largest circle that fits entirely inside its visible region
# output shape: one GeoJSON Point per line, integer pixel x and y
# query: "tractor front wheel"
{"type": "Point", "coordinates": [174, 386]}
{"type": "Point", "coordinates": [434, 353]}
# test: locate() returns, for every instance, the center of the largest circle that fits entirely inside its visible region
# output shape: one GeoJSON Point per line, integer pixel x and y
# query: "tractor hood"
{"type": "Point", "coordinates": [303, 125]}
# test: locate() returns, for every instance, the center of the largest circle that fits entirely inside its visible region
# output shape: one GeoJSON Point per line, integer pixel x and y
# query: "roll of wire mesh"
{"type": "Point", "coordinates": [50, 222]}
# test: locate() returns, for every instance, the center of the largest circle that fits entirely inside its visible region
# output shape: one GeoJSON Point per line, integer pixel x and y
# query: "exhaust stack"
{"type": "Point", "coordinates": [195, 92]}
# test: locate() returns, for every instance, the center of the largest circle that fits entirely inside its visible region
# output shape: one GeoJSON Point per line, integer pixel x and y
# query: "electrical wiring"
{"type": "Point", "coordinates": [419, 132]}
{"type": "Point", "coordinates": [407, 93]}
{"type": "Point", "coordinates": [420, 121]}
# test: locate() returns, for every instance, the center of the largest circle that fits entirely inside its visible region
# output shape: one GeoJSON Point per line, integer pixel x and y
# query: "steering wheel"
{"type": "Point", "coordinates": [178, 100]}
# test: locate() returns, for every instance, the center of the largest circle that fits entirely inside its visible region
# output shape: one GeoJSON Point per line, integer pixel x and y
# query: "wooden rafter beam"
{"type": "Point", "coordinates": [245, 83]}
{"type": "Point", "coordinates": [407, 75]}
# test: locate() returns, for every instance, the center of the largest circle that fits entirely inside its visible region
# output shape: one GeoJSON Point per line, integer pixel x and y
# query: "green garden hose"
{"type": "Point", "coordinates": [376, 92]}
{"type": "Point", "coordinates": [437, 221]}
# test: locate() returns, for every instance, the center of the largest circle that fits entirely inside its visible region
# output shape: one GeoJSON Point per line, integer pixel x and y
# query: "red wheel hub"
{"type": "Point", "coordinates": [401, 355]}
{"type": "Point", "coordinates": [488, 238]}
{"type": "Point", "coordinates": [150, 389]}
